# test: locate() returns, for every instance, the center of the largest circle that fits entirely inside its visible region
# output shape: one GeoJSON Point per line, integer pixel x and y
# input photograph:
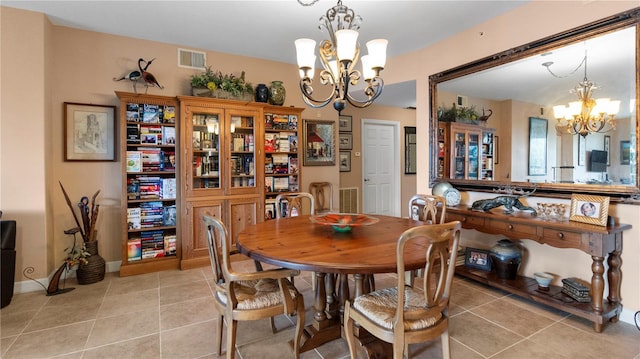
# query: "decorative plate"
{"type": "Point", "coordinates": [343, 222]}
{"type": "Point", "coordinates": [440, 187]}
{"type": "Point", "coordinates": [452, 197]}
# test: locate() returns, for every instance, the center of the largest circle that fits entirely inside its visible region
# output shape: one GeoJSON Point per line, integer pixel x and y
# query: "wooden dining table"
{"type": "Point", "coordinates": [298, 243]}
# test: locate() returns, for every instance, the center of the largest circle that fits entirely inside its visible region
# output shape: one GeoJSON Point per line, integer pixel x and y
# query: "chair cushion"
{"type": "Point", "coordinates": [256, 294]}
{"type": "Point", "coordinates": [380, 306]}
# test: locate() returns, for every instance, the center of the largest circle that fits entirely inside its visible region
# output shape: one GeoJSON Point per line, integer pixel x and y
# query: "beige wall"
{"type": "Point", "coordinates": [59, 64]}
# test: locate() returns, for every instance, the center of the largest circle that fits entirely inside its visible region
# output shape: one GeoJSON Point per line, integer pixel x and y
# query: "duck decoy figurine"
{"type": "Point", "coordinates": [483, 119]}
{"type": "Point", "coordinates": [149, 79]}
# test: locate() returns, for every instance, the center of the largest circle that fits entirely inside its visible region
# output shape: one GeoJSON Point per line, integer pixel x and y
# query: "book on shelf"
{"type": "Point", "coordinates": [270, 208]}
{"type": "Point", "coordinates": [149, 138]}
{"type": "Point", "coordinates": [293, 165]}
{"type": "Point", "coordinates": [168, 161]}
{"type": "Point", "coordinates": [238, 143]}
{"type": "Point", "coordinates": [168, 135]}
{"type": "Point", "coordinates": [293, 122]}
{"type": "Point", "coordinates": [134, 161]}
{"type": "Point", "coordinates": [293, 143]}
{"type": "Point", "coordinates": [150, 113]}
{"type": "Point", "coordinates": [133, 112]}
{"type": "Point", "coordinates": [196, 140]}
{"type": "Point", "coordinates": [169, 114]}
{"type": "Point", "coordinates": [168, 189]}
{"type": "Point", "coordinates": [170, 245]}
{"type": "Point", "coordinates": [133, 134]}
{"type": "Point", "coordinates": [133, 188]}
{"type": "Point", "coordinates": [280, 163]}
{"type": "Point", "coordinates": [249, 142]}
{"type": "Point", "coordinates": [169, 216]}
{"type": "Point", "coordinates": [293, 184]}
{"type": "Point", "coordinates": [283, 141]}
{"type": "Point", "coordinates": [280, 122]}
{"type": "Point", "coordinates": [280, 184]}
{"type": "Point", "coordinates": [268, 184]}
{"type": "Point", "coordinates": [268, 165]}
{"type": "Point", "coordinates": [133, 218]}
{"type": "Point", "coordinates": [134, 249]}
{"type": "Point", "coordinates": [270, 142]}
{"type": "Point", "coordinates": [268, 120]}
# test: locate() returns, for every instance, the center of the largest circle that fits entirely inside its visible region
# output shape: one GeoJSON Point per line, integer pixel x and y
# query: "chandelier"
{"type": "Point", "coordinates": [339, 56]}
{"type": "Point", "coordinates": [588, 115]}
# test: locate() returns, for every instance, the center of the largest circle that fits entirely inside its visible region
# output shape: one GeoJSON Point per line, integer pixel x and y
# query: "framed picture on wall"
{"type": "Point", "coordinates": [89, 132]}
{"type": "Point", "coordinates": [319, 143]}
{"type": "Point", "coordinates": [345, 161]}
{"type": "Point", "coordinates": [537, 146]}
{"type": "Point", "coordinates": [346, 141]}
{"type": "Point", "coordinates": [607, 148]}
{"type": "Point", "coordinates": [344, 123]}
{"type": "Point", "coordinates": [625, 152]}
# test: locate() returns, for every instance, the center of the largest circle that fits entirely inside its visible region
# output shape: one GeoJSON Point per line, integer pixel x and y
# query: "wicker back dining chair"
{"type": "Point", "coordinates": [248, 295]}
{"type": "Point", "coordinates": [323, 194]}
{"type": "Point", "coordinates": [427, 208]}
{"type": "Point", "coordinates": [404, 315]}
{"type": "Point", "coordinates": [292, 204]}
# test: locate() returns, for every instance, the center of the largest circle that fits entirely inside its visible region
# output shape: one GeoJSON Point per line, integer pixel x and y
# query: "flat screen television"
{"type": "Point", "coordinates": [598, 161]}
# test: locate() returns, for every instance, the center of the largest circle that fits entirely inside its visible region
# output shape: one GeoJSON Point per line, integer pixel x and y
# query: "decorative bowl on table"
{"type": "Point", "coordinates": [543, 279]}
{"type": "Point", "coordinates": [343, 222]}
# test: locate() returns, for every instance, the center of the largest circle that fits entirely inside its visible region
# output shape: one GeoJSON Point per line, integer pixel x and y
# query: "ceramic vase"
{"type": "Point", "coordinates": [262, 93]}
{"type": "Point", "coordinates": [277, 93]}
{"type": "Point", "coordinates": [506, 257]}
{"type": "Point", "coordinates": [94, 270]}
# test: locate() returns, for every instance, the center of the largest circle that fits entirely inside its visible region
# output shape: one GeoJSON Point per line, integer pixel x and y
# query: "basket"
{"type": "Point", "coordinates": [94, 270]}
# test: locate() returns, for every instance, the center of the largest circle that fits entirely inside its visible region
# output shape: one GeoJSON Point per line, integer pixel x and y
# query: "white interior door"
{"type": "Point", "coordinates": [380, 167]}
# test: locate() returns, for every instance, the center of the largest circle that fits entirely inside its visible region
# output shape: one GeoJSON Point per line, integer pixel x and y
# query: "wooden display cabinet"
{"type": "Point", "coordinates": [465, 151]}
{"type": "Point", "coordinates": [222, 140]}
{"type": "Point", "coordinates": [282, 162]}
{"type": "Point", "coordinates": [150, 187]}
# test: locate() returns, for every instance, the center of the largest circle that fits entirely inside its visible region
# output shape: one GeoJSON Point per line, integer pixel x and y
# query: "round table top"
{"type": "Point", "coordinates": [297, 243]}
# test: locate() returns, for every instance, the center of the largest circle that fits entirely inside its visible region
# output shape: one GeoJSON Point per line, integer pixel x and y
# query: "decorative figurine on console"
{"type": "Point", "coordinates": [509, 201]}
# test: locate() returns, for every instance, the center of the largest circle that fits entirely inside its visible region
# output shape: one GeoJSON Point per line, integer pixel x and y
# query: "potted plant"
{"type": "Point", "coordinates": [458, 114]}
{"type": "Point", "coordinates": [214, 84]}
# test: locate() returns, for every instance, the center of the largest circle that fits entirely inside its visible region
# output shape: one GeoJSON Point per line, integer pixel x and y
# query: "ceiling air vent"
{"type": "Point", "coordinates": [192, 59]}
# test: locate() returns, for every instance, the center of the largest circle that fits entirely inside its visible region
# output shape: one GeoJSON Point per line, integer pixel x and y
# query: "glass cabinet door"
{"type": "Point", "coordinates": [459, 155]}
{"type": "Point", "coordinates": [242, 134]}
{"type": "Point", "coordinates": [206, 151]}
{"type": "Point", "coordinates": [474, 159]}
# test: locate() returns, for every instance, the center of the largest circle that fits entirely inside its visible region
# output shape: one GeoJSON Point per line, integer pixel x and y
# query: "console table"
{"type": "Point", "coordinates": [597, 241]}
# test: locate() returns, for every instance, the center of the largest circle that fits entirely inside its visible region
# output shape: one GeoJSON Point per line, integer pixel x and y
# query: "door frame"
{"type": "Point", "coordinates": [397, 192]}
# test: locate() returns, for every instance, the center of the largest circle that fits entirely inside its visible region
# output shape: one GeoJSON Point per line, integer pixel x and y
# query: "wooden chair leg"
{"type": "Point", "coordinates": [446, 351]}
{"type": "Point", "coordinates": [232, 326]}
{"type": "Point", "coordinates": [299, 325]}
{"type": "Point", "coordinates": [218, 337]}
{"type": "Point", "coordinates": [272, 321]}
{"type": "Point", "coordinates": [348, 330]}
{"type": "Point", "coordinates": [258, 266]}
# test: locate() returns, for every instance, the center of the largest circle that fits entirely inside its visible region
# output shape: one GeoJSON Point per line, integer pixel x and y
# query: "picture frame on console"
{"type": "Point", "coordinates": [589, 209]}
{"type": "Point", "coordinates": [477, 258]}
{"type": "Point", "coordinates": [89, 132]}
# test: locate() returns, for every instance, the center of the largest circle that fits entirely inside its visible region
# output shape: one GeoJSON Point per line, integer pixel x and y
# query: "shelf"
{"type": "Point", "coordinates": [528, 288]}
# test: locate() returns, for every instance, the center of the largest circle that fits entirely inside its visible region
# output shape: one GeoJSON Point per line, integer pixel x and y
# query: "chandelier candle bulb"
{"type": "Point", "coordinates": [367, 70]}
{"type": "Point", "coordinates": [347, 41]}
{"type": "Point", "coordinates": [378, 52]}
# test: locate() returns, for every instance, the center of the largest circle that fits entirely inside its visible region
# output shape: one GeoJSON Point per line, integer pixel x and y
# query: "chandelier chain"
{"type": "Point", "coordinates": [584, 61]}
{"type": "Point", "coordinates": [307, 4]}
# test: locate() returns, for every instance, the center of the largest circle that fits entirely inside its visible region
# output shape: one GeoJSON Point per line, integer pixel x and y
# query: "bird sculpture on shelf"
{"type": "Point", "coordinates": [132, 76]}
{"type": "Point", "coordinates": [149, 79]}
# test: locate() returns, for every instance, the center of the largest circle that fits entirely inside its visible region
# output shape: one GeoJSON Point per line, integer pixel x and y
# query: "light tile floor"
{"type": "Point", "coordinates": [170, 315]}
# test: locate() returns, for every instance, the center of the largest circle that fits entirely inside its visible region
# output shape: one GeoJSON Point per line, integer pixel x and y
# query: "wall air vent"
{"type": "Point", "coordinates": [349, 200]}
{"type": "Point", "coordinates": [192, 59]}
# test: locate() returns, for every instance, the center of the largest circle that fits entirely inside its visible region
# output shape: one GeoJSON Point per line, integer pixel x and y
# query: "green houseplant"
{"type": "Point", "coordinates": [215, 84]}
{"type": "Point", "coordinates": [458, 114]}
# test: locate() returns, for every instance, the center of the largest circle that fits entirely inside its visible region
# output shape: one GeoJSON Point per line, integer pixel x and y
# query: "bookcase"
{"type": "Point", "coordinates": [150, 195]}
{"type": "Point", "coordinates": [465, 151]}
{"type": "Point", "coordinates": [221, 140]}
{"type": "Point", "coordinates": [282, 163]}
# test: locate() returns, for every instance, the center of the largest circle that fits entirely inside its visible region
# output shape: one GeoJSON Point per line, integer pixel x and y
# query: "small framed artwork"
{"type": "Point", "coordinates": [319, 143]}
{"type": "Point", "coordinates": [537, 146]}
{"type": "Point", "coordinates": [589, 209]}
{"type": "Point", "coordinates": [345, 161]}
{"type": "Point", "coordinates": [344, 123]}
{"type": "Point", "coordinates": [346, 141]}
{"type": "Point", "coordinates": [477, 258]}
{"type": "Point", "coordinates": [625, 152]}
{"type": "Point", "coordinates": [582, 150]}
{"type": "Point", "coordinates": [607, 146]}
{"type": "Point", "coordinates": [89, 132]}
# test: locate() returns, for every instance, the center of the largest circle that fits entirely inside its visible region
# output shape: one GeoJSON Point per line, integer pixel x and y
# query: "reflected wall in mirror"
{"type": "Point", "coordinates": [528, 81]}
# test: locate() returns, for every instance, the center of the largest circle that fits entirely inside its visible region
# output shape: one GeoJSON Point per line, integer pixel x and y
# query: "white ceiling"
{"type": "Point", "coordinates": [267, 29]}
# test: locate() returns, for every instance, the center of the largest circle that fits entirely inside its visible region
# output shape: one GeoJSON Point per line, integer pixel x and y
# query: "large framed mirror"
{"type": "Point", "coordinates": [497, 96]}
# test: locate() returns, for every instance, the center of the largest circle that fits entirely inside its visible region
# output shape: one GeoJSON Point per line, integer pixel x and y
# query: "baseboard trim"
{"type": "Point", "coordinates": [31, 286]}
